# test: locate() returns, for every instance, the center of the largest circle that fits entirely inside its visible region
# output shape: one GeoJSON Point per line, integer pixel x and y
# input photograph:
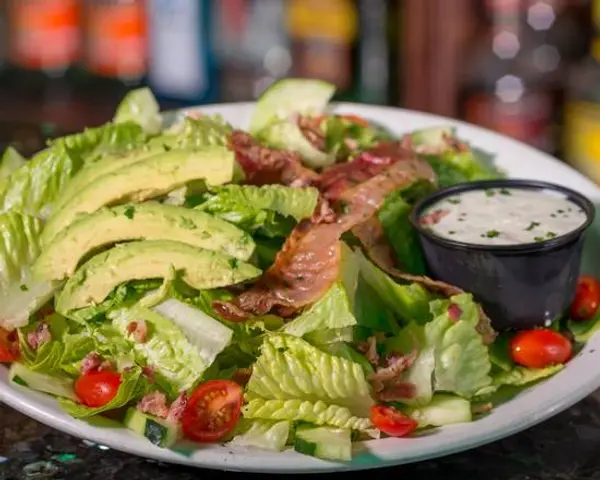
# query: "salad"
{"type": "Point", "coordinates": [262, 287]}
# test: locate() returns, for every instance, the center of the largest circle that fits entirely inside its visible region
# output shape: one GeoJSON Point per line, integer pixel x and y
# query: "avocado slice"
{"type": "Point", "coordinates": [108, 164]}
{"type": "Point", "coordinates": [148, 259]}
{"type": "Point", "coordinates": [148, 178]}
{"type": "Point", "coordinates": [145, 221]}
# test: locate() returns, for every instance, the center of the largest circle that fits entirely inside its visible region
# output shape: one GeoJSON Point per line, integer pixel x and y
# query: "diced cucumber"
{"type": "Point", "coordinates": [324, 442]}
{"type": "Point", "coordinates": [432, 138]}
{"type": "Point", "coordinates": [159, 432]}
{"type": "Point", "coordinates": [19, 374]}
{"type": "Point", "coordinates": [289, 96]}
{"type": "Point", "coordinates": [442, 410]}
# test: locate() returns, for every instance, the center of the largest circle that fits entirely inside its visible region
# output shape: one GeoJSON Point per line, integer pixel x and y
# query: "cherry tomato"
{"type": "Point", "coordinates": [540, 348]}
{"type": "Point", "coordinates": [587, 298]}
{"type": "Point", "coordinates": [9, 346]}
{"type": "Point", "coordinates": [96, 389]}
{"type": "Point", "coordinates": [392, 421]}
{"type": "Point", "coordinates": [212, 411]}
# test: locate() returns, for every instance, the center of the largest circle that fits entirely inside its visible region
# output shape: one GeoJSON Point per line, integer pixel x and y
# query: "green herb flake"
{"type": "Point", "coordinates": [553, 215]}
{"type": "Point", "coordinates": [551, 235]}
{"type": "Point", "coordinates": [451, 232]}
{"type": "Point", "coordinates": [130, 211]}
{"type": "Point", "coordinates": [539, 239]}
{"type": "Point", "coordinates": [454, 201]}
{"type": "Point", "coordinates": [492, 233]}
{"type": "Point", "coordinates": [532, 225]}
{"type": "Point", "coordinates": [24, 288]}
{"type": "Point", "coordinates": [489, 193]}
{"type": "Point", "coordinates": [505, 191]}
{"type": "Point", "coordinates": [560, 211]}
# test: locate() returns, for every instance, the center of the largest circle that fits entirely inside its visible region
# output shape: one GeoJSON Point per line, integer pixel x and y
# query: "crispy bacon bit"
{"type": "Point", "coordinates": [369, 349]}
{"type": "Point", "coordinates": [312, 132]}
{"type": "Point", "coordinates": [242, 376]}
{"type": "Point", "coordinates": [148, 372]}
{"type": "Point", "coordinates": [395, 365]}
{"type": "Point", "coordinates": [323, 212]}
{"type": "Point", "coordinates": [95, 362]}
{"type": "Point", "coordinates": [138, 330]}
{"type": "Point", "coordinates": [177, 407]}
{"type": "Point", "coordinates": [485, 408]}
{"type": "Point", "coordinates": [45, 311]}
{"type": "Point", "coordinates": [397, 391]}
{"type": "Point", "coordinates": [434, 217]}
{"type": "Point", "coordinates": [154, 403]}
{"type": "Point", "coordinates": [454, 312]}
{"type": "Point", "coordinates": [263, 165]}
{"type": "Point", "coordinates": [39, 336]}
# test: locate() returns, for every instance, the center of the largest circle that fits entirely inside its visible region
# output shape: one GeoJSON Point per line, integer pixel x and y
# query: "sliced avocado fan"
{"type": "Point", "coordinates": [144, 221]}
{"type": "Point", "coordinates": [148, 178]}
{"type": "Point", "coordinates": [150, 259]}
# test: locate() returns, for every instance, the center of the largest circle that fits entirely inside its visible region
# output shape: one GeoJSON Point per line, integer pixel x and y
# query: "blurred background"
{"type": "Point", "coordinates": [526, 68]}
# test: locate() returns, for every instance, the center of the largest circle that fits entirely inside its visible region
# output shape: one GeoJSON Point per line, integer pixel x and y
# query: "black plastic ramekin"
{"type": "Point", "coordinates": [519, 286]}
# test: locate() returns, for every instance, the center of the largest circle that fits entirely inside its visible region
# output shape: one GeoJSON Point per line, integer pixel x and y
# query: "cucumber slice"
{"type": "Point", "coordinates": [157, 431]}
{"type": "Point", "coordinates": [19, 374]}
{"type": "Point", "coordinates": [324, 442]}
{"type": "Point", "coordinates": [442, 410]}
{"type": "Point", "coordinates": [289, 96]}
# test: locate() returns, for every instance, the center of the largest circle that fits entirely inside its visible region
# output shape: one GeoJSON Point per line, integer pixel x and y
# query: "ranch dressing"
{"type": "Point", "coordinates": [503, 216]}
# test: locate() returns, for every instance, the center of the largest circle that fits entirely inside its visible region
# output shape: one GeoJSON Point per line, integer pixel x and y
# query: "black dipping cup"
{"type": "Point", "coordinates": [519, 286]}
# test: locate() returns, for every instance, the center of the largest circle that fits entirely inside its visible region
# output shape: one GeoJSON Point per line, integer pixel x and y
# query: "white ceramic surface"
{"type": "Point", "coordinates": [580, 378]}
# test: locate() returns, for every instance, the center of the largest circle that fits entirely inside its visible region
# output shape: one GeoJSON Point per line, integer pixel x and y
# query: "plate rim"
{"type": "Point", "coordinates": [32, 404]}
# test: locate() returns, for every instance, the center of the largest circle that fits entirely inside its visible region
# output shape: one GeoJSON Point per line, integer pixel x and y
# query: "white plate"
{"type": "Point", "coordinates": [579, 379]}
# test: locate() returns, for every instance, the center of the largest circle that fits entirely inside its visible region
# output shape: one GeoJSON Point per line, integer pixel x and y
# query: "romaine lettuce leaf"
{"type": "Point", "coordinates": [393, 216]}
{"type": "Point", "coordinates": [272, 435]}
{"type": "Point", "coordinates": [331, 311]}
{"type": "Point", "coordinates": [371, 312]}
{"type": "Point", "coordinates": [140, 106]}
{"type": "Point", "coordinates": [410, 302]}
{"type": "Point", "coordinates": [11, 160]}
{"type": "Point", "coordinates": [206, 130]}
{"type": "Point", "coordinates": [289, 368]}
{"type": "Point", "coordinates": [134, 385]}
{"type": "Point", "coordinates": [178, 353]}
{"type": "Point", "coordinates": [319, 413]}
{"type": "Point", "coordinates": [462, 363]}
{"type": "Point", "coordinates": [584, 330]}
{"type": "Point", "coordinates": [327, 336]}
{"type": "Point", "coordinates": [520, 376]}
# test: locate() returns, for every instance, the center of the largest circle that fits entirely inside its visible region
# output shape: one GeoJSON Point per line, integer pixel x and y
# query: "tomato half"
{"type": "Point", "coordinates": [391, 421]}
{"type": "Point", "coordinates": [587, 298]}
{"type": "Point", "coordinates": [540, 348]}
{"type": "Point", "coordinates": [212, 411]}
{"type": "Point", "coordinates": [96, 389]}
{"type": "Point", "coordinates": [9, 346]}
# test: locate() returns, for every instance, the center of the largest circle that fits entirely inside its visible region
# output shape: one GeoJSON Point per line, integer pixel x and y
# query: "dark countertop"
{"type": "Point", "coordinates": [565, 447]}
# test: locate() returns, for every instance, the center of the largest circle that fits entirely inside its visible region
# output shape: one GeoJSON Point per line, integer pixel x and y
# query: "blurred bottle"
{"type": "Point", "coordinates": [43, 43]}
{"type": "Point", "coordinates": [182, 66]}
{"type": "Point", "coordinates": [252, 46]}
{"type": "Point", "coordinates": [324, 42]}
{"type": "Point", "coordinates": [378, 51]}
{"type": "Point", "coordinates": [582, 108]}
{"type": "Point", "coordinates": [115, 56]}
{"type": "Point", "coordinates": [511, 82]}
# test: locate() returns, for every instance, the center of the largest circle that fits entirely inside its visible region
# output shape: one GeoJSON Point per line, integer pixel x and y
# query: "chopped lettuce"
{"type": "Point", "coordinates": [332, 311]}
{"type": "Point", "coordinates": [181, 342]}
{"type": "Point", "coordinates": [583, 330]}
{"type": "Point", "coordinates": [134, 385]}
{"type": "Point", "coordinates": [344, 137]}
{"type": "Point", "coordinates": [327, 336]}
{"type": "Point", "coordinates": [141, 107]}
{"type": "Point", "coordinates": [409, 302]}
{"type": "Point", "coordinates": [291, 369]}
{"type": "Point", "coordinates": [393, 216]}
{"type": "Point", "coordinates": [462, 363]}
{"type": "Point", "coordinates": [272, 435]}
{"type": "Point", "coordinates": [371, 312]}
{"type": "Point", "coordinates": [319, 413]}
{"type": "Point", "coordinates": [520, 376]}
{"type": "Point", "coordinates": [11, 160]}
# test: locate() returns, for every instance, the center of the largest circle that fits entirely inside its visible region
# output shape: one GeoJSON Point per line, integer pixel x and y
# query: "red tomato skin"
{"type": "Point", "coordinates": [212, 399]}
{"type": "Point", "coordinates": [96, 389]}
{"type": "Point", "coordinates": [587, 298]}
{"type": "Point", "coordinates": [9, 346]}
{"type": "Point", "coordinates": [391, 421]}
{"type": "Point", "coordinates": [540, 348]}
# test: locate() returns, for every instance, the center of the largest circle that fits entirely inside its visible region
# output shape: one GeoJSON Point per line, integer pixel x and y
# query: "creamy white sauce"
{"type": "Point", "coordinates": [503, 216]}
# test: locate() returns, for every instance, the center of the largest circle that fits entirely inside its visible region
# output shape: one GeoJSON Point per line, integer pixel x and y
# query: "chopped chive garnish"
{"type": "Point", "coordinates": [551, 234]}
{"type": "Point", "coordinates": [538, 239]}
{"type": "Point", "coordinates": [553, 215]}
{"type": "Point", "coordinates": [532, 225]}
{"type": "Point", "coordinates": [505, 191]}
{"type": "Point", "coordinates": [451, 232]}
{"type": "Point", "coordinates": [490, 193]}
{"type": "Point", "coordinates": [461, 219]}
{"type": "Point", "coordinates": [492, 233]}
{"type": "Point", "coordinates": [454, 201]}
{"type": "Point", "coordinates": [560, 211]}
